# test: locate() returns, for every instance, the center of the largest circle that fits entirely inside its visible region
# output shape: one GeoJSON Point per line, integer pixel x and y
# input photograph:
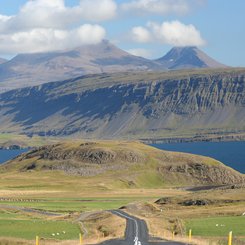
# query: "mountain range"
{"type": "Point", "coordinates": [33, 69]}
{"type": "Point", "coordinates": [130, 105]}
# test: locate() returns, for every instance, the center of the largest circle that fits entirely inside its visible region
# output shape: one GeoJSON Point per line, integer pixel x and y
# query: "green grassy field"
{"type": "Point", "coordinates": [21, 226]}
{"type": "Point", "coordinates": [75, 205]}
{"type": "Point", "coordinates": [134, 181]}
{"type": "Point", "coordinates": [28, 229]}
{"type": "Point", "coordinates": [217, 226]}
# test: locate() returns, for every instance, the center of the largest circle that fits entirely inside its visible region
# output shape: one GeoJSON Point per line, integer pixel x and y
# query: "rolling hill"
{"type": "Point", "coordinates": [130, 105]}
{"type": "Point", "coordinates": [122, 164]}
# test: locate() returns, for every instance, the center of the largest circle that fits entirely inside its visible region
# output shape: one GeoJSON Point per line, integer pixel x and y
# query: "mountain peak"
{"type": "Point", "coordinates": [37, 68]}
{"type": "Point", "coordinates": [188, 57]}
{"type": "Point", "coordinates": [104, 48]}
{"type": "Point", "coordinates": [184, 48]}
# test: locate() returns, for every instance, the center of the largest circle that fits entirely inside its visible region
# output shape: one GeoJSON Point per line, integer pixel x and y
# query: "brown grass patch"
{"type": "Point", "coordinates": [102, 226]}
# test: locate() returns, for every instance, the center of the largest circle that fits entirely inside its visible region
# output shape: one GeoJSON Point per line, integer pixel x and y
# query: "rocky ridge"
{"type": "Point", "coordinates": [127, 105]}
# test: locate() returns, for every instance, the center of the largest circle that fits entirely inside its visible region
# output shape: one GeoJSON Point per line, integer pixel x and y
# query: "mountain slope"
{"type": "Point", "coordinates": [126, 105]}
{"type": "Point", "coordinates": [125, 164]}
{"type": "Point", "coordinates": [32, 69]}
{"type": "Point", "coordinates": [188, 57]}
{"type": "Point", "coordinates": [2, 60]}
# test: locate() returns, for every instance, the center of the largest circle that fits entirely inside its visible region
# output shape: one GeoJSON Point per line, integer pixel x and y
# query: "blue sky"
{"type": "Point", "coordinates": [143, 27]}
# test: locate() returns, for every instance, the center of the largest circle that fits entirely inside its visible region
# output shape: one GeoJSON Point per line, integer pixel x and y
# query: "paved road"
{"type": "Point", "coordinates": [136, 233]}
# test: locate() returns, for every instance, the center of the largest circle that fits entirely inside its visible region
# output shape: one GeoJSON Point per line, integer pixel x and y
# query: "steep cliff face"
{"type": "Point", "coordinates": [142, 105]}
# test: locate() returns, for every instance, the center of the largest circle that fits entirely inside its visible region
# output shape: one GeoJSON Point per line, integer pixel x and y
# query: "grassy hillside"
{"type": "Point", "coordinates": [112, 165]}
{"type": "Point", "coordinates": [211, 214]}
{"type": "Point", "coordinates": [72, 178]}
{"type": "Point", "coordinates": [23, 141]}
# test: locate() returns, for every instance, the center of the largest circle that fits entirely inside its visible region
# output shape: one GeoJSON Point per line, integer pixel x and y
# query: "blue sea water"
{"type": "Point", "coordinates": [6, 155]}
{"type": "Point", "coordinates": [230, 153]}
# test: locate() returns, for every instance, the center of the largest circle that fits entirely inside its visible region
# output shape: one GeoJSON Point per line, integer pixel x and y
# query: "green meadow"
{"type": "Point", "coordinates": [27, 227]}
{"type": "Point", "coordinates": [217, 226]}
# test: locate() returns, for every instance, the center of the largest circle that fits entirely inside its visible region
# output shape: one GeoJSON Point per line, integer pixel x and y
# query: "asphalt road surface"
{"type": "Point", "coordinates": [136, 233]}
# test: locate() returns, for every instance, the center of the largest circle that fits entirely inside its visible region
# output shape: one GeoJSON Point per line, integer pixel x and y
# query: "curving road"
{"type": "Point", "coordinates": [136, 233]}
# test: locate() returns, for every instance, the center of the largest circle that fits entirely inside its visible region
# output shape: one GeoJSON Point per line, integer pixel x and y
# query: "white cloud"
{"type": "Point", "coordinates": [98, 9]}
{"type": "Point", "coordinates": [54, 14]}
{"type": "Point", "coordinates": [44, 39]}
{"type": "Point", "coordinates": [158, 6]}
{"type": "Point", "coordinates": [40, 22]}
{"type": "Point", "coordinates": [141, 52]}
{"type": "Point", "coordinates": [141, 34]}
{"type": "Point", "coordinates": [174, 33]}
{"type": "Point", "coordinates": [4, 18]}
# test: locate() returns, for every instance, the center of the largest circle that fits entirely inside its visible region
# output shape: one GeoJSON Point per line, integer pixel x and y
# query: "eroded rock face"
{"type": "Point", "coordinates": [86, 159]}
{"type": "Point", "coordinates": [198, 202]}
{"type": "Point", "coordinates": [193, 201]}
{"type": "Point", "coordinates": [86, 152]}
{"type": "Point", "coordinates": [136, 106]}
{"type": "Point", "coordinates": [204, 173]}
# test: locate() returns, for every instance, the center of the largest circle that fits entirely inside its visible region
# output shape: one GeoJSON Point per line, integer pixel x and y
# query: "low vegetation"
{"type": "Point", "coordinates": [75, 180]}
{"type": "Point", "coordinates": [21, 227]}
{"type": "Point", "coordinates": [218, 226]}
{"type": "Point", "coordinates": [108, 165]}
{"type": "Point", "coordinates": [211, 214]}
{"type": "Point", "coordinates": [28, 229]}
{"type": "Point", "coordinates": [23, 141]}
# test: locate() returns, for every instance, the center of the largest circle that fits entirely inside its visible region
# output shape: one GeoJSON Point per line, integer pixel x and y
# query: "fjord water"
{"type": "Point", "coordinates": [230, 153]}
{"type": "Point", "coordinates": [6, 155]}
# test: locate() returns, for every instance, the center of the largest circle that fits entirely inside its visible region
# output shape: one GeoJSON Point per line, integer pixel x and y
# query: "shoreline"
{"type": "Point", "coordinates": [161, 140]}
{"type": "Point", "coordinates": [194, 139]}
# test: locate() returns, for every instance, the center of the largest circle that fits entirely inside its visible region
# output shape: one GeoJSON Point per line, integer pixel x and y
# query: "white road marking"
{"type": "Point", "coordinates": [136, 239]}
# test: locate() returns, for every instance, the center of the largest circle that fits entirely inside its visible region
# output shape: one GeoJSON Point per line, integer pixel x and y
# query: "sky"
{"type": "Point", "coordinates": [148, 28]}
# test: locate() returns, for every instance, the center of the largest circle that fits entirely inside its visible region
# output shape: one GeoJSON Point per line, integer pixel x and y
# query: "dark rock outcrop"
{"type": "Point", "coordinates": [216, 174]}
{"type": "Point", "coordinates": [86, 153]}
